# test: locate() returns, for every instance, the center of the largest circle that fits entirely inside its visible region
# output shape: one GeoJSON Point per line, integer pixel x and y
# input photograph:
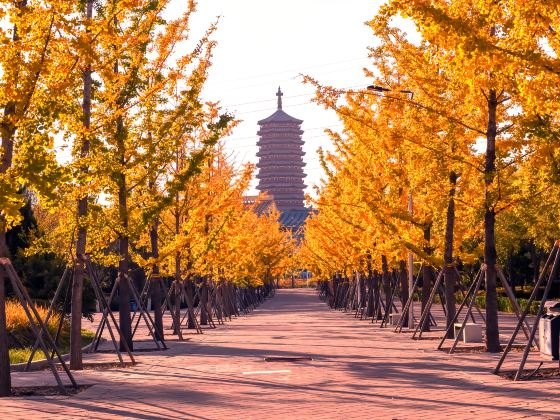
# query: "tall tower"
{"type": "Point", "coordinates": [281, 160]}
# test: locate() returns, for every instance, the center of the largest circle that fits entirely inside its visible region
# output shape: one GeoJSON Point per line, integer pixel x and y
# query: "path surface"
{"type": "Point", "coordinates": [358, 371]}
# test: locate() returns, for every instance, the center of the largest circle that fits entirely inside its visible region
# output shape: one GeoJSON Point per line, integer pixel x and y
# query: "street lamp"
{"type": "Point", "coordinates": [377, 88]}
{"type": "Point", "coordinates": [381, 89]}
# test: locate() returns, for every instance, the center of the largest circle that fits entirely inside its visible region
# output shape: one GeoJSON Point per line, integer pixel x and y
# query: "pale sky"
{"type": "Point", "coordinates": [263, 44]}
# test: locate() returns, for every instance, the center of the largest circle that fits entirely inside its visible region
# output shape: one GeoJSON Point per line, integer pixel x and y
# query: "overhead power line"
{"type": "Point", "coordinates": [304, 136]}
{"type": "Point", "coordinates": [298, 70]}
{"type": "Point", "coordinates": [284, 98]}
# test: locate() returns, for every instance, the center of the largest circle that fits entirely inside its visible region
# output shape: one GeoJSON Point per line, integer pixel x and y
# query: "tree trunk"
{"type": "Point", "coordinates": [178, 279]}
{"type": "Point", "coordinates": [79, 268]}
{"type": "Point", "coordinates": [403, 277]}
{"type": "Point", "coordinates": [361, 289]}
{"type": "Point", "coordinates": [177, 294]}
{"type": "Point", "coordinates": [8, 131]}
{"type": "Point", "coordinates": [5, 379]}
{"type": "Point", "coordinates": [204, 303]}
{"type": "Point", "coordinates": [156, 282]}
{"type": "Point", "coordinates": [371, 294]}
{"type": "Point", "coordinates": [449, 273]}
{"type": "Point", "coordinates": [377, 295]}
{"type": "Point", "coordinates": [509, 268]}
{"type": "Point", "coordinates": [235, 300]}
{"type": "Point", "coordinates": [535, 260]}
{"type": "Point", "coordinates": [190, 293]}
{"type": "Point", "coordinates": [222, 288]}
{"type": "Point", "coordinates": [125, 322]}
{"type": "Point", "coordinates": [386, 280]}
{"type": "Point", "coordinates": [7, 157]}
{"type": "Point", "coordinates": [492, 330]}
{"type": "Point", "coordinates": [427, 279]}
{"type": "Point", "coordinates": [219, 313]}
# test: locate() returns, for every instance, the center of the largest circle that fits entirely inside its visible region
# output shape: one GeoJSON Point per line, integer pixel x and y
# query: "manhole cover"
{"type": "Point", "coordinates": [288, 359]}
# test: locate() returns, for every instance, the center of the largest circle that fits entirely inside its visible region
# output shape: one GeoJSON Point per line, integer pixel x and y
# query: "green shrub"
{"type": "Point", "coordinates": [21, 355]}
{"type": "Point", "coordinates": [504, 304]}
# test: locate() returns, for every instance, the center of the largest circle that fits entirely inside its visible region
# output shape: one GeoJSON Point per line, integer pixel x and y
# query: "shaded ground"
{"type": "Point", "coordinates": [357, 371]}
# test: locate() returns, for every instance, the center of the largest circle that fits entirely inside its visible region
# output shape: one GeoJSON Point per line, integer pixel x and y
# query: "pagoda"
{"type": "Point", "coordinates": [281, 165]}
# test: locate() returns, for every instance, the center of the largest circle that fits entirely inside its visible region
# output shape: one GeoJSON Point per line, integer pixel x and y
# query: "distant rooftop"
{"type": "Point", "coordinates": [292, 219]}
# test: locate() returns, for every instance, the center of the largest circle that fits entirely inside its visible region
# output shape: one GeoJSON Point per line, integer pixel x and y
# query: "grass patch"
{"type": "Point", "coordinates": [21, 355]}
{"type": "Point", "coordinates": [20, 333]}
{"type": "Point", "coordinates": [21, 337]}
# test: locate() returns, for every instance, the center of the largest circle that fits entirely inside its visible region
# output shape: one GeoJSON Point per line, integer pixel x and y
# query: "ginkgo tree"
{"type": "Point", "coordinates": [388, 156]}
{"type": "Point", "coordinates": [472, 82]}
{"type": "Point", "coordinates": [32, 39]}
{"type": "Point", "coordinates": [119, 89]}
{"type": "Point", "coordinates": [209, 234]}
{"type": "Point", "coordinates": [259, 252]}
{"type": "Point", "coordinates": [492, 82]}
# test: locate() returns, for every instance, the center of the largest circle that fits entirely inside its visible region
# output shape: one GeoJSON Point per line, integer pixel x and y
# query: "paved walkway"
{"type": "Point", "coordinates": [358, 371]}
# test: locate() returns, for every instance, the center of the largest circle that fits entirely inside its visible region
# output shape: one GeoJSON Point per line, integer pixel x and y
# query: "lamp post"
{"type": "Point", "coordinates": [410, 272]}
{"type": "Point", "coordinates": [382, 89]}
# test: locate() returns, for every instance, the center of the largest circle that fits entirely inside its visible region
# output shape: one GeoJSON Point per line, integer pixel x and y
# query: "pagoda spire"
{"type": "Point", "coordinates": [279, 94]}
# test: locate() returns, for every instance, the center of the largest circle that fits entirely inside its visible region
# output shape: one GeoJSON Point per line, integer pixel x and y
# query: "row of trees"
{"type": "Point", "coordinates": [104, 123]}
{"type": "Point", "coordinates": [461, 120]}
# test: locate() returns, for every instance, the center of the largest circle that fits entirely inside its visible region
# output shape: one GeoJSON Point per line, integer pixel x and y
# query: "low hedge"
{"type": "Point", "coordinates": [21, 337]}
{"type": "Point", "coordinates": [504, 304]}
{"type": "Point", "coordinates": [20, 333]}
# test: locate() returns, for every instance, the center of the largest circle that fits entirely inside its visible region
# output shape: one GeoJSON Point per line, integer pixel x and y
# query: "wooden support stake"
{"type": "Point", "coordinates": [466, 298]}
{"type": "Point", "coordinates": [469, 309]}
{"type": "Point", "coordinates": [553, 256]}
{"type": "Point", "coordinates": [48, 316]}
{"type": "Point", "coordinates": [106, 311]}
{"type": "Point", "coordinates": [426, 313]}
{"type": "Point", "coordinates": [37, 325]}
{"type": "Point", "coordinates": [408, 304]}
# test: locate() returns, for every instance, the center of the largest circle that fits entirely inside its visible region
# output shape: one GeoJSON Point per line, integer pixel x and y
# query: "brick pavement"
{"type": "Point", "coordinates": [358, 371]}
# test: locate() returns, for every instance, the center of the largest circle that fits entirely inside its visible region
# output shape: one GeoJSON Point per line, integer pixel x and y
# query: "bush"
{"type": "Point", "coordinates": [21, 337]}
{"type": "Point", "coordinates": [19, 330]}
{"type": "Point", "coordinates": [534, 306]}
{"type": "Point", "coordinates": [504, 304]}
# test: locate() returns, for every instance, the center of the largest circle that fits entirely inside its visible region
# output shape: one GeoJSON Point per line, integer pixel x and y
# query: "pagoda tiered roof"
{"type": "Point", "coordinates": [281, 152]}
{"type": "Point", "coordinates": [281, 117]}
{"type": "Point", "coordinates": [281, 165]}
